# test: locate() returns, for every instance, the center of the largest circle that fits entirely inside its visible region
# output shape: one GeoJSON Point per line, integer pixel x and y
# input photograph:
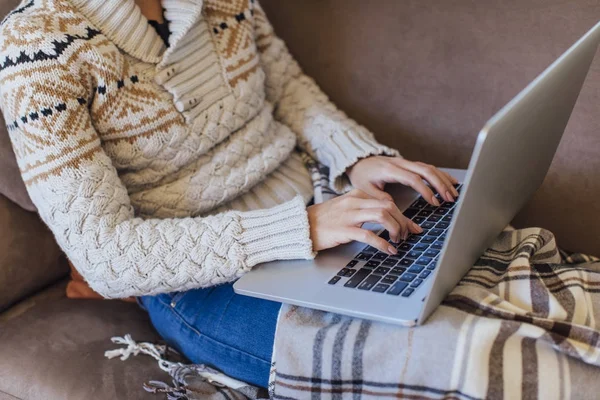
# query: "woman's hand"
{"type": "Point", "coordinates": [339, 221]}
{"type": "Point", "coordinates": [372, 173]}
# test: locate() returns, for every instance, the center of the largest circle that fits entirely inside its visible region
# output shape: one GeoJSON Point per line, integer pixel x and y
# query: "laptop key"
{"type": "Point", "coordinates": [389, 279]}
{"type": "Point", "coordinates": [379, 256]}
{"type": "Point", "coordinates": [334, 280]}
{"type": "Point", "coordinates": [413, 239]}
{"type": "Point", "coordinates": [414, 254]}
{"type": "Point", "coordinates": [368, 283]}
{"type": "Point", "coordinates": [344, 272]}
{"type": "Point", "coordinates": [424, 213]}
{"type": "Point", "coordinates": [397, 288]}
{"type": "Point", "coordinates": [442, 225]}
{"type": "Point", "coordinates": [370, 250]}
{"type": "Point", "coordinates": [405, 247]}
{"type": "Point", "coordinates": [396, 256]}
{"type": "Point", "coordinates": [385, 235]}
{"type": "Point", "coordinates": [406, 262]}
{"type": "Point", "coordinates": [427, 225]}
{"type": "Point", "coordinates": [419, 203]}
{"type": "Point", "coordinates": [421, 247]}
{"type": "Point", "coordinates": [410, 212]}
{"type": "Point", "coordinates": [416, 283]}
{"type": "Point", "coordinates": [440, 211]}
{"type": "Point", "coordinates": [437, 245]}
{"type": "Point", "coordinates": [398, 270]}
{"type": "Point", "coordinates": [416, 268]}
{"type": "Point", "coordinates": [390, 262]}
{"type": "Point", "coordinates": [407, 277]}
{"type": "Point", "coordinates": [428, 239]}
{"type": "Point", "coordinates": [425, 274]}
{"type": "Point", "coordinates": [434, 218]}
{"type": "Point", "coordinates": [357, 278]}
{"type": "Point", "coordinates": [408, 292]}
{"type": "Point", "coordinates": [351, 264]}
{"type": "Point", "coordinates": [381, 271]}
{"type": "Point", "coordinates": [447, 218]}
{"type": "Point", "coordinates": [418, 220]}
{"type": "Point", "coordinates": [432, 265]}
{"type": "Point", "coordinates": [363, 256]}
{"type": "Point", "coordinates": [431, 253]}
{"type": "Point", "coordinates": [424, 260]}
{"type": "Point", "coordinates": [436, 232]}
{"type": "Point", "coordinates": [380, 288]}
{"type": "Point", "coordinates": [372, 264]}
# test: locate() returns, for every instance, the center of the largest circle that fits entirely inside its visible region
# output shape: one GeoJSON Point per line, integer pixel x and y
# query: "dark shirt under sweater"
{"type": "Point", "coordinates": [162, 29]}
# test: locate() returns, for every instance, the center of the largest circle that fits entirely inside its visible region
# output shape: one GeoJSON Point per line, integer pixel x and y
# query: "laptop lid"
{"type": "Point", "coordinates": [512, 156]}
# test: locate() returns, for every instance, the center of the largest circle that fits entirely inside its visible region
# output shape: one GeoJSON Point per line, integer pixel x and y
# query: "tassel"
{"type": "Point", "coordinates": [176, 370]}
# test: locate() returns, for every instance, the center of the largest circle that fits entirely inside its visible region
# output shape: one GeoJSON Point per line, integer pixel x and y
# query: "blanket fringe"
{"type": "Point", "coordinates": [176, 369]}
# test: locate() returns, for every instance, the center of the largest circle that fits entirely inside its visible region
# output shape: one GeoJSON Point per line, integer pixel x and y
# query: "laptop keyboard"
{"type": "Point", "coordinates": [401, 274]}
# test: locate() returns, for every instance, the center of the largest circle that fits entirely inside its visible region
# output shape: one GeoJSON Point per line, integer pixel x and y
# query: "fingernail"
{"type": "Point", "coordinates": [435, 201]}
{"type": "Point", "coordinates": [455, 192]}
{"type": "Point", "coordinates": [449, 196]}
{"type": "Point", "coordinates": [418, 228]}
{"type": "Point", "coordinates": [392, 250]}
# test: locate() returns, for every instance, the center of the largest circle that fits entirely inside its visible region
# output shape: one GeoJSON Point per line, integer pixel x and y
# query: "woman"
{"type": "Point", "coordinates": [160, 142]}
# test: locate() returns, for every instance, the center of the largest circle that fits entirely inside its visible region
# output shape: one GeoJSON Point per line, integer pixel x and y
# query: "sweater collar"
{"type": "Point", "coordinates": [124, 24]}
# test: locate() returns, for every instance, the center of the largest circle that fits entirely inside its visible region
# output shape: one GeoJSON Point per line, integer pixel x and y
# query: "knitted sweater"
{"type": "Point", "coordinates": [159, 168]}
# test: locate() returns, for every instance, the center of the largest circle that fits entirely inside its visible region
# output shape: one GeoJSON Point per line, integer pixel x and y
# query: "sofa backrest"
{"type": "Point", "coordinates": [425, 75]}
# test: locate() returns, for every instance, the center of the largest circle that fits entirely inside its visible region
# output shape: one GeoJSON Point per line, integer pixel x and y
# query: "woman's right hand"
{"type": "Point", "coordinates": [340, 221]}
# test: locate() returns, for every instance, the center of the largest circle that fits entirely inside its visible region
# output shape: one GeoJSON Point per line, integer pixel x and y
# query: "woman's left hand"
{"type": "Point", "coordinates": [372, 173]}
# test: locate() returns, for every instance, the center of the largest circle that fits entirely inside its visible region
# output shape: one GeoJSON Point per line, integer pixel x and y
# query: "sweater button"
{"type": "Point", "coordinates": [173, 304]}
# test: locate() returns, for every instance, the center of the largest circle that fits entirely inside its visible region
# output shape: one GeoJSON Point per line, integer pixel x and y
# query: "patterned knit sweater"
{"type": "Point", "coordinates": [160, 168]}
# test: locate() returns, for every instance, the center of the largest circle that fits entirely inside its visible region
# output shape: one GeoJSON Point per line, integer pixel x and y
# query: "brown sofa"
{"type": "Point", "coordinates": [424, 75]}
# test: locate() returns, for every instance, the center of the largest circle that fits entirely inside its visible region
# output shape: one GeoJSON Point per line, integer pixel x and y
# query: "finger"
{"type": "Point", "coordinates": [375, 192]}
{"type": "Point", "coordinates": [408, 178]}
{"type": "Point", "coordinates": [454, 181]}
{"type": "Point", "coordinates": [370, 238]}
{"type": "Point", "coordinates": [434, 176]}
{"type": "Point", "coordinates": [384, 218]}
{"type": "Point", "coordinates": [359, 194]}
{"type": "Point", "coordinates": [448, 182]}
{"type": "Point", "coordinates": [407, 226]}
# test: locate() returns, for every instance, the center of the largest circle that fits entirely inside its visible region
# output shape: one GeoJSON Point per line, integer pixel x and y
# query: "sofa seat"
{"type": "Point", "coordinates": [53, 349]}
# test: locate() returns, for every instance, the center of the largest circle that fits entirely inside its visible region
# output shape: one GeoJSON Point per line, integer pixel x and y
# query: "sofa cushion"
{"type": "Point", "coordinates": [55, 351]}
{"type": "Point", "coordinates": [30, 259]}
{"type": "Point", "coordinates": [11, 183]}
{"type": "Point", "coordinates": [425, 75]}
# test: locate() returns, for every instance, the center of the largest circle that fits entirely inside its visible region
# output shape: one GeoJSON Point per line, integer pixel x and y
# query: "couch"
{"type": "Point", "coordinates": [424, 75]}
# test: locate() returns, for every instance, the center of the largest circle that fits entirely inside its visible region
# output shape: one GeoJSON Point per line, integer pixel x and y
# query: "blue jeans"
{"type": "Point", "coordinates": [215, 326]}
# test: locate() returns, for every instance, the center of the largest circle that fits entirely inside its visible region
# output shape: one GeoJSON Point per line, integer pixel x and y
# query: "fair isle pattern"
{"type": "Point", "coordinates": [37, 114]}
{"type": "Point", "coordinates": [522, 324]}
{"type": "Point", "coordinates": [159, 169]}
{"type": "Point", "coordinates": [233, 28]}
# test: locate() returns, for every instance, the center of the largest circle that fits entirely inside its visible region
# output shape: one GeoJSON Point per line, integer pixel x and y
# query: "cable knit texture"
{"type": "Point", "coordinates": [161, 168]}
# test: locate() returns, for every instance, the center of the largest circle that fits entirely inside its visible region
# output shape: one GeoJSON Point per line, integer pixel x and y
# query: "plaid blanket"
{"type": "Point", "coordinates": [522, 324]}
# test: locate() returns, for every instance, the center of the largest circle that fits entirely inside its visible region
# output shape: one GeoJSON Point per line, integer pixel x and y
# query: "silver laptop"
{"type": "Point", "coordinates": [512, 155]}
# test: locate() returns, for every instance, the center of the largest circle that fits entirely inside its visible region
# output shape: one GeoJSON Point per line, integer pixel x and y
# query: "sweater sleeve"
{"type": "Point", "coordinates": [81, 198]}
{"type": "Point", "coordinates": [323, 130]}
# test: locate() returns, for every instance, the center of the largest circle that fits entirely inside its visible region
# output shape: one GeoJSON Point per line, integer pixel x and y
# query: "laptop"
{"type": "Point", "coordinates": [512, 156]}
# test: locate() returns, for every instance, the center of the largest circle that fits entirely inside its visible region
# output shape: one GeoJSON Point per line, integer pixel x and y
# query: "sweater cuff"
{"type": "Point", "coordinates": [278, 233]}
{"type": "Point", "coordinates": [345, 149]}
